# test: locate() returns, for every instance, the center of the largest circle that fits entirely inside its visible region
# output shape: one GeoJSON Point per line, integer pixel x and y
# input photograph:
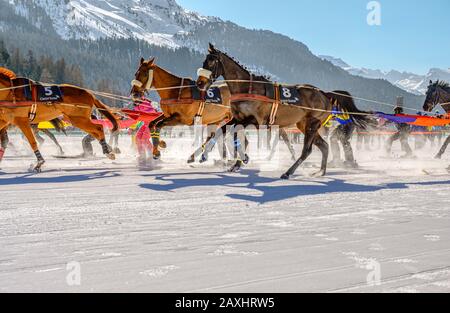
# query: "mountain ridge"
{"type": "Point", "coordinates": [76, 30]}
{"type": "Point", "coordinates": [411, 82]}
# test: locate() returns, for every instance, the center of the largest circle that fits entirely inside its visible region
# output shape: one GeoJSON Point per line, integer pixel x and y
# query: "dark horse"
{"type": "Point", "coordinates": [438, 93]}
{"type": "Point", "coordinates": [315, 108]}
{"type": "Point", "coordinates": [184, 110]}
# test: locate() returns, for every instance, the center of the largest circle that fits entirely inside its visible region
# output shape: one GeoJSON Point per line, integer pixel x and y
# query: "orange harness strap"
{"type": "Point", "coordinates": [275, 105]}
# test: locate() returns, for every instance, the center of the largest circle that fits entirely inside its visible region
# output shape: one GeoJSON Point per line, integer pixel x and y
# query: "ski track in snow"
{"type": "Point", "coordinates": [178, 228]}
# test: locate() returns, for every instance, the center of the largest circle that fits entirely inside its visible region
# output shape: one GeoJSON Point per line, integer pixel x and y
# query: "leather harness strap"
{"type": "Point", "coordinates": [181, 88]}
{"type": "Point", "coordinates": [250, 88]}
{"type": "Point", "coordinates": [275, 105]}
{"type": "Point", "coordinates": [13, 91]}
{"type": "Point", "coordinates": [254, 97]}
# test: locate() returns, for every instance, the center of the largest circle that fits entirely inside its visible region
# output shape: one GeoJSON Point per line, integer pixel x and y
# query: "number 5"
{"type": "Point", "coordinates": [48, 91]}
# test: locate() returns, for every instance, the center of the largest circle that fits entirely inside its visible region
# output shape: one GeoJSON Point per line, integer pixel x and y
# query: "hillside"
{"type": "Point", "coordinates": [106, 39]}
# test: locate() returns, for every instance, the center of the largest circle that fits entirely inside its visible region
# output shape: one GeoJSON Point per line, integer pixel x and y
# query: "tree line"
{"type": "Point", "coordinates": [44, 69]}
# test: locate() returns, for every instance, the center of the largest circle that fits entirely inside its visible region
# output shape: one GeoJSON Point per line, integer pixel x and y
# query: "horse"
{"type": "Point", "coordinates": [249, 108]}
{"type": "Point", "coordinates": [438, 93]}
{"type": "Point", "coordinates": [177, 101]}
{"type": "Point", "coordinates": [76, 106]}
{"type": "Point", "coordinates": [180, 109]}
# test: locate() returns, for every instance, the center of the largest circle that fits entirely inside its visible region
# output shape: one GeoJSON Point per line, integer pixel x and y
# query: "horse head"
{"type": "Point", "coordinates": [211, 70]}
{"type": "Point", "coordinates": [437, 91]}
{"type": "Point", "coordinates": [143, 80]}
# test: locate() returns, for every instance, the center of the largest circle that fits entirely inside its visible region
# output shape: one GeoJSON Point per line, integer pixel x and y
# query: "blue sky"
{"type": "Point", "coordinates": [414, 35]}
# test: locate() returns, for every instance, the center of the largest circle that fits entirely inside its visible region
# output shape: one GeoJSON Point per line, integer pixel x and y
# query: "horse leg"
{"type": "Point", "coordinates": [39, 138]}
{"type": "Point", "coordinates": [242, 157]}
{"type": "Point", "coordinates": [288, 143]}
{"type": "Point", "coordinates": [334, 144]}
{"type": "Point", "coordinates": [88, 149]}
{"type": "Point", "coordinates": [204, 149]}
{"type": "Point", "coordinates": [311, 129]}
{"type": "Point", "coordinates": [53, 138]}
{"type": "Point", "coordinates": [286, 140]}
{"type": "Point", "coordinates": [95, 131]}
{"type": "Point", "coordinates": [390, 142]}
{"type": "Point", "coordinates": [320, 143]}
{"type": "Point", "coordinates": [114, 142]}
{"type": "Point", "coordinates": [272, 147]}
{"type": "Point", "coordinates": [443, 149]}
{"type": "Point", "coordinates": [347, 146]}
{"type": "Point", "coordinates": [210, 143]}
{"type": "Point", "coordinates": [24, 126]}
{"type": "Point", "coordinates": [155, 133]}
{"type": "Point", "coordinates": [3, 138]}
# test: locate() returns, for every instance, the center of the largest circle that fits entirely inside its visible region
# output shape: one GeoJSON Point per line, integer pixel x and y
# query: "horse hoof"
{"type": "Point", "coordinates": [117, 151]}
{"type": "Point", "coordinates": [234, 169]}
{"type": "Point", "coordinates": [203, 159]}
{"type": "Point", "coordinates": [246, 159]}
{"type": "Point", "coordinates": [320, 173]}
{"type": "Point", "coordinates": [162, 144]}
{"type": "Point", "coordinates": [38, 167]}
{"type": "Point", "coordinates": [111, 156]}
{"type": "Point", "coordinates": [156, 155]}
{"type": "Point", "coordinates": [438, 157]}
{"type": "Point", "coordinates": [191, 160]}
{"type": "Point", "coordinates": [285, 177]}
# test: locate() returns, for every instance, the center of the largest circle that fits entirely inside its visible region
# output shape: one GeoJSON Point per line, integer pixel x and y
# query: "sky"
{"type": "Point", "coordinates": [413, 35]}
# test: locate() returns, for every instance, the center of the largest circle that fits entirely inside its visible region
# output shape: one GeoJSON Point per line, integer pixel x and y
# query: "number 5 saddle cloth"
{"type": "Point", "coordinates": [35, 91]}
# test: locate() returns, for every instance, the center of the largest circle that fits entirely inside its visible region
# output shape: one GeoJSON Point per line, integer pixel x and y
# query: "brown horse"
{"type": "Point", "coordinates": [180, 109]}
{"type": "Point", "coordinates": [309, 117]}
{"type": "Point", "coordinates": [177, 103]}
{"type": "Point", "coordinates": [76, 107]}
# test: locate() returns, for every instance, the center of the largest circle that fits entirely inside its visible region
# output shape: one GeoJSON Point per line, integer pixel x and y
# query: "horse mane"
{"type": "Point", "coordinates": [8, 73]}
{"type": "Point", "coordinates": [172, 74]}
{"type": "Point", "coordinates": [443, 84]}
{"type": "Point", "coordinates": [256, 77]}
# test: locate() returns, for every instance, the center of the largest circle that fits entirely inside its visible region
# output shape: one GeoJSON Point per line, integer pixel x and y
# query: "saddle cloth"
{"type": "Point", "coordinates": [34, 91]}
{"type": "Point", "coordinates": [212, 95]}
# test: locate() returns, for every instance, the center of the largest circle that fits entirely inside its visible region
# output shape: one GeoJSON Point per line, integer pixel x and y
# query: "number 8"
{"type": "Point", "coordinates": [286, 92]}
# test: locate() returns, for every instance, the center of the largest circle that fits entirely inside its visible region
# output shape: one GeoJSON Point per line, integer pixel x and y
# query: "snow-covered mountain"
{"type": "Point", "coordinates": [155, 21]}
{"type": "Point", "coordinates": [131, 29]}
{"type": "Point", "coordinates": [414, 83]}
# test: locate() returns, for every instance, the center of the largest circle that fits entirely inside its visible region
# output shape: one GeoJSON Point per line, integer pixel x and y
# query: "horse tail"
{"type": "Point", "coordinates": [105, 111]}
{"type": "Point", "coordinates": [344, 101]}
{"type": "Point", "coordinates": [59, 126]}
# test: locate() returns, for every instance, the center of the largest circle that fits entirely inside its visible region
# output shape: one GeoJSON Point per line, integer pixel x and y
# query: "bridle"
{"type": "Point", "coordinates": [211, 76]}
{"type": "Point", "coordinates": [436, 97]}
{"type": "Point", "coordinates": [148, 85]}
